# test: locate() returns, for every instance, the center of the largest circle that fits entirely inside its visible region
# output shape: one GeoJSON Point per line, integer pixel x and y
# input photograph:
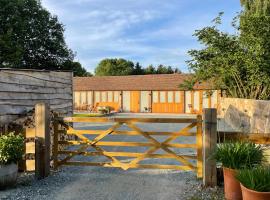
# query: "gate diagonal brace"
{"type": "Point", "coordinates": [88, 143]}
{"type": "Point", "coordinates": [159, 145]}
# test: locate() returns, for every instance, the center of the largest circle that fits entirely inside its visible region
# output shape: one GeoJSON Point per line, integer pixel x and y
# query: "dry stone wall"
{"type": "Point", "coordinates": [244, 115]}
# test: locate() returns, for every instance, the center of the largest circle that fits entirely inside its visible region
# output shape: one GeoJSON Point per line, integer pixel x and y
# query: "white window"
{"type": "Point", "coordinates": [110, 96]}
{"type": "Point", "coordinates": [177, 97]}
{"type": "Point", "coordinates": [83, 97]}
{"type": "Point", "coordinates": [77, 98]}
{"type": "Point", "coordinates": [162, 97]}
{"type": "Point", "coordinates": [155, 96]}
{"type": "Point", "coordinates": [116, 96]}
{"type": "Point", "coordinates": [103, 96]}
{"type": "Point", "coordinates": [170, 97]}
{"type": "Point", "coordinates": [97, 97]}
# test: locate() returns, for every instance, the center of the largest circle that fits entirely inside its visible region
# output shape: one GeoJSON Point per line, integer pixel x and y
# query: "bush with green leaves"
{"type": "Point", "coordinates": [11, 148]}
{"type": "Point", "coordinates": [239, 154]}
{"type": "Point", "coordinates": [257, 179]}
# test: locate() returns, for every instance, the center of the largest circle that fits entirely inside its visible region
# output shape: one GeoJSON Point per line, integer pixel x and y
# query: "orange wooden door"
{"type": "Point", "coordinates": [134, 101]}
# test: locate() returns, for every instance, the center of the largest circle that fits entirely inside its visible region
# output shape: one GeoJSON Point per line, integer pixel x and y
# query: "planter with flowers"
{"type": "Point", "coordinates": [11, 151]}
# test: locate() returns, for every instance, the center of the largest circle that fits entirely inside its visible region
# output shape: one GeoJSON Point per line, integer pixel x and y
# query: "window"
{"type": "Point", "coordinates": [110, 96]}
{"type": "Point", "coordinates": [177, 97]}
{"type": "Point", "coordinates": [162, 97]}
{"type": "Point", "coordinates": [97, 97]}
{"type": "Point", "coordinates": [155, 97]}
{"type": "Point", "coordinates": [83, 97]}
{"type": "Point", "coordinates": [116, 96]}
{"type": "Point", "coordinates": [77, 98]}
{"type": "Point", "coordinates": [170, 97]}
{"type": "Point", "coordinates": [103, 96]}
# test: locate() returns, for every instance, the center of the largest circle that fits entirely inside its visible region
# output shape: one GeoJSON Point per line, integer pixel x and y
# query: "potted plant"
{"type": "Point", "coordinates": [11, 151]}
{"type": "Point", "coordinates": [255, 183]}
{"type": "Point", "coordinates": [234, 156]}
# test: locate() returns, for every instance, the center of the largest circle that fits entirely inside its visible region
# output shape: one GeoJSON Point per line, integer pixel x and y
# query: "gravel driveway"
{"type": "Point", "coordinates": [99, 183]}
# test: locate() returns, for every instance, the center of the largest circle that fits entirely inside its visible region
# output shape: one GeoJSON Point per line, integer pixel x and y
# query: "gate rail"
{"type": "Point", "coordinates": [154, 145]}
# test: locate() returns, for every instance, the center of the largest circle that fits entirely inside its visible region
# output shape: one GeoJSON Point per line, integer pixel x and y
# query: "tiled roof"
{"type": "Point", "coordinates": [133, 82]}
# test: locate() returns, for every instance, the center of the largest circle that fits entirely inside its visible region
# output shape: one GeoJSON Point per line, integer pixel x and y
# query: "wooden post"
{"type": "Point", "coordinates": [42, 142]}
{"type": "Point", "coordinates": [209, 146]}
{"type": "Point", "coordinates": [199, 147]}
{"type": "Point", "coordinates": [55, 141]}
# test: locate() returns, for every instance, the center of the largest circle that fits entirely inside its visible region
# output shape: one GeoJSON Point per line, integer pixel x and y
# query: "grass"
{"type": "Point", "coordinates": [88, 115]}
{"type": "Point", "coordinates": [239, 154]}
{"type": "Point", "coordinates": [257, 179]}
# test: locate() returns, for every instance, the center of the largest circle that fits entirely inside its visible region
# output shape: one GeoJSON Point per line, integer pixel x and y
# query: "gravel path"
{"type": "Point", "coordinates": [81, 183]}
{"type": "Point", "coordinates": [98, 183]}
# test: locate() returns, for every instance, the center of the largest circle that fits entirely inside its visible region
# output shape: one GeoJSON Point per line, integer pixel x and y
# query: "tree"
{"type": "Point", "coordinates": [150, 70]}
{"type": "Point", "coordinates": [30, 37]}
{"type": "Point", "coordinates": [238, 63]}
{"type": "Point", "coordinates": [138, 70]}
{"type": "Point", "coordinates": [161, 69]}
{"type": "Point", "coordinates": [114, 67]}
{"type": "Point", "coordinates": [78, 70]}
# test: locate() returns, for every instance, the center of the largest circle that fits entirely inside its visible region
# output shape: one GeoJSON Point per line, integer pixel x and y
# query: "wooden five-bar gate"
{"type": "Point", "coordinates": [71, 148]}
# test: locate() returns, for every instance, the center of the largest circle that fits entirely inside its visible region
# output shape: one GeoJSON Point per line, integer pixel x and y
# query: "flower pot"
{"type": "Point", "coordinates": [254, 195]}
{"type": "Point", "coordinates": [8, 175]}
{"type": "Point", "coordinates": [232, 188]}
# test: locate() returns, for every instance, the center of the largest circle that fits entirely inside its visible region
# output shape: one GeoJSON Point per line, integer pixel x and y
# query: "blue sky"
{"type": "Point", "coordinates": [145, 31]}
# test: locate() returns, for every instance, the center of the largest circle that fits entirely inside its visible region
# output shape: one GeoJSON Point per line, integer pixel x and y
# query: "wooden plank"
{"type": "Point", "coordinates": [30, 165]}
{"type": "Point", "coordinates": [30, 133]}
{"type": "Point", "coordinates": [258, 138]}
{"type": "Point", "coordinates": [125, 154]}
{"type": "Point", "coordinates": [128, 144]}
{"type": "Point", "coordinates": [199, 140]}
{"type": "Point", "coordinates": [129, 120]}
{"type": "Point", "coordinates": [30, 147]}
{"type": "Point", "coordinates": [144, 166]}
{"type": "Point", "coordinates": [55, 141]}
{"type": "Point", "coordinates": [209, 143]}
{"type": "Point", "coordinates": [33, 76]}
{"type": "Point", "coordinates": [97, 132]}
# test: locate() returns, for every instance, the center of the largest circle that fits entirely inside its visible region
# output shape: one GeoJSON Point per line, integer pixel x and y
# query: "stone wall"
{"type": "Point", "coordinates": [244, 115]}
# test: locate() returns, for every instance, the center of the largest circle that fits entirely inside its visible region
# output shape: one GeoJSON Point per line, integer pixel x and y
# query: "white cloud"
{"type": "Point", "coordinates": [148, 31]}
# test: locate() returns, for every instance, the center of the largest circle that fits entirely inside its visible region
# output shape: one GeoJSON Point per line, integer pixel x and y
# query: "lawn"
{"type": "Point", "coordinates": [88, 115]}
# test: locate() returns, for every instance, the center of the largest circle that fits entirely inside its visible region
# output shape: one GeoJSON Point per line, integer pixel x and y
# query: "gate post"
{"type": "Point", "coordinates": [209, 146]}
{"type": "Point", "coordinates": [55, 141]}
{"type": "Point", "coordinates": [42, 140]}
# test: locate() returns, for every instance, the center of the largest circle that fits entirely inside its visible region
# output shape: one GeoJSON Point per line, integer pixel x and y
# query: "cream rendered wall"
{"type": "Point", "coordinates": [126, 101]}
{"type": "Point", "coordinates": [144, 100]}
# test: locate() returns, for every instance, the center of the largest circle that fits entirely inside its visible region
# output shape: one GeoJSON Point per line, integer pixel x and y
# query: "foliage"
{"type": "Point", "coordinates": [257, 179]}
{"type": "Point", "coordinates": [239, 155]}
{"type": "Point", "coordinates": [78, 70]}
{"type": "Point", "coordinates": [240, 62]}
{"type": "Point", "coordinates": [88, 115]}
{"type": "Point", "coordinates": [121, 67]}
{"type": "Point", "coordinates": [114, 67]}
{"type": "Point", "coordinates": [31, 38]}
{"type": "Point", "coordinates": [11, 148]}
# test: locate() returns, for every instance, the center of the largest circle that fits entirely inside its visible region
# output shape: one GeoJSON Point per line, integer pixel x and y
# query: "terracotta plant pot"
{"type": "Point", "coordinates": [8, 175]}
{"type": "Point", "coordinates": [254, 195]}
{"type": "Point", "coordinates": [232, 188]}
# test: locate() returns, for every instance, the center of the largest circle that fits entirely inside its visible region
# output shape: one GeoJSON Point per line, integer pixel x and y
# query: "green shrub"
{"type": "Point", "coordinates": [11, 148]}
{"type": "Point", "coordinates": [257, 179]}
{"type": "Point", "coordinates": [239, 155]}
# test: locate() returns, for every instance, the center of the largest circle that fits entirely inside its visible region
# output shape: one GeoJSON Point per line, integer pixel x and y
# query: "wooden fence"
{"type": "Point", "coordinates": [21, 89]}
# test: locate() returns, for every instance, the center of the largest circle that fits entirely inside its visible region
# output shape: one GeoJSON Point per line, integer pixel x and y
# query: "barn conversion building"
{"type": "Point", "coordinates": [143, 93]}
